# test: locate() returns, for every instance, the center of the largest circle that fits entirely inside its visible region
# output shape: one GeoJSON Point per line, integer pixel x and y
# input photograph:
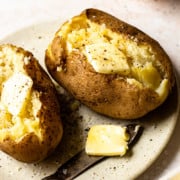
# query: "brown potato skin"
{"type": "Point", "coordinates": [30, 149]}
{"type": "Point", "coordinates": [106, 93]}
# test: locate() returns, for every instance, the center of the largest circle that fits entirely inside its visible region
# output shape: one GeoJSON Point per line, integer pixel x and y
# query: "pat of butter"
{"type": "Point", "coordinates": [107, 59]}
{"type": "Point", "coordinates": [148, 75]}
{"type": "Point", "coordinates": [162, 90]}
{"type": "Point", "coordinates": [15, 92]}
{"type": "Point", "coordinates": [107, 140]}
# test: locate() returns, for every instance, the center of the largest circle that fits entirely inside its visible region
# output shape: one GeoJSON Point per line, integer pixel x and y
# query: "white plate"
{"type": "Point", "coordinates": [159, 126]}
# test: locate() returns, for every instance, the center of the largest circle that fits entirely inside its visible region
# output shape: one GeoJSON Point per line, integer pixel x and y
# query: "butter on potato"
{"type": "Point", "coordinates": [107, 140]}
{"type": "Point", "coordinates": [107, 59]}
{"type": "Point", "coordinates": [111, 53]}
{"type": "Point", "coordinates": [15, 93]}
{"type": "Point", "coordinates": [109, 65]}
{"type": "Point", "coordinates": [30, 123]}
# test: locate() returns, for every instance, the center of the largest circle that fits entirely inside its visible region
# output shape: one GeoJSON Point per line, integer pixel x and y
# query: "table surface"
{"type": "Point", "coordinates": [159, 18]}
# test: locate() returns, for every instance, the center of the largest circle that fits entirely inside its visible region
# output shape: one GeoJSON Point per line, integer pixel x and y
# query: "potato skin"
{"type": "Point", "coordinates": [106, 93]}
{"type": "Point", "coordinates": [30, 148]}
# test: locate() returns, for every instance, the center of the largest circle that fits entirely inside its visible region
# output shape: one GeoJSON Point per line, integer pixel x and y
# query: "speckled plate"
{"type": "Point", "coordinates": [159, 126]}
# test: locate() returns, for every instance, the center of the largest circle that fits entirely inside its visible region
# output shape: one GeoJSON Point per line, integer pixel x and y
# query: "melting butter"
{"type": "Point", "coordinates": [15, 92]}
{"type": "Point", "coordinates": [107, 59]}
{"type": "Point", "coordinates": [107, 140]}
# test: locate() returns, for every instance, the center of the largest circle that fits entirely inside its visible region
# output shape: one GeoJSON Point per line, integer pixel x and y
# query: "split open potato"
{"type": "Point", "coordinates": [109, 65]}
{"type": "Point", "coordinates": [30, 123]}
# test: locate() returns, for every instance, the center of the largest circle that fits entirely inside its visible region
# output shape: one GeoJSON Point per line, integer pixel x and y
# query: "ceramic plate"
{"type": "Point", "coordinates": [158, 127]}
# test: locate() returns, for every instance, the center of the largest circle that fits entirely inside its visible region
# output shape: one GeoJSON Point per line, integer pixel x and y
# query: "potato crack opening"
{"type": "Point", "coordinates": [114, 53]}
{"type": "Point", "coordinates": [19, 104]}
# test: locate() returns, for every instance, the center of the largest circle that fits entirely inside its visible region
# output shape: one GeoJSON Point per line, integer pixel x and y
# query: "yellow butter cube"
{"type": "Point", "coordinates": [107, 140]}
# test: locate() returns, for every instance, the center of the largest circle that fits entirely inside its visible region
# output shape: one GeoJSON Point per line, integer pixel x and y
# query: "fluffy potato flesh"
{"type": "Point", "coordinates": [109, 65]}
{"type": "Point", "coordinates": [24, 123]}
{"type": "Point", "coordinates": [109, 53]}
{"type": "Point", "coordinates": [17, 100]}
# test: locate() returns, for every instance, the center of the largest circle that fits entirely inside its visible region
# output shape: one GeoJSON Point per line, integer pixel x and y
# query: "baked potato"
{"type": "Point", "coordinates": [30, 124]}
{"type": "Point", "coordinates": [110, 66]}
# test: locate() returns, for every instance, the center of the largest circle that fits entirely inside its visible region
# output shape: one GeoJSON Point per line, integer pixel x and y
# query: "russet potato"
{"type": "Point", "coordinates": [30, 123]}
{"type": "Point", "coordinates": [110, 66]}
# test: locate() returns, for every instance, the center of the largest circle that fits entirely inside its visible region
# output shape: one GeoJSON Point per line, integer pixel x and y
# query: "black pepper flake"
{"type": "Point", "coordinates": [39, 37]}
{"type": "Point", "coordinates": [87, 129]}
